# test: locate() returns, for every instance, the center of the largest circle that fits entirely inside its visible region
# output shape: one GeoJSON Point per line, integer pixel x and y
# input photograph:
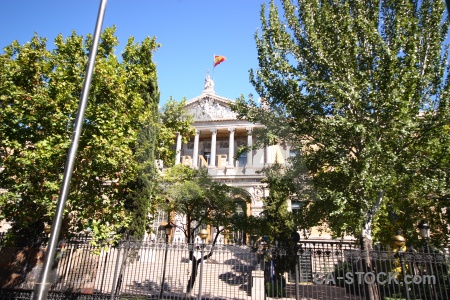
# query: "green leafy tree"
{"type": "Point", "coordinates": [155, 140]}
{"type": "Point", "coordinates": [174, 119]}
{"type": "Point", "coordinates": [139, 200]}
{"type": "Point", "coordinates": [280, 221]}
{"type": "Point", "coordinates": [426, 197]}
{"type": "Point", "coordinates": [228, 210]}
{"type": "Point", "coordinates": [201, 200]}
{"type": "Point", "coordinates": [361, 88]}
{"type": "Point", "coordinates": [40, 91]}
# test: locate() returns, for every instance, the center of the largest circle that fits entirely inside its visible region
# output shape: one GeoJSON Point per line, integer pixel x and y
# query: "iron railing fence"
{"type": "Point", "coordinates": [147, 269]}
{"type": "Point", "coordinates": [134, 269]}
{"type": "Point", "coordinates": [176, 271]}
{"type": "Point", "coordinates": [322, 271]}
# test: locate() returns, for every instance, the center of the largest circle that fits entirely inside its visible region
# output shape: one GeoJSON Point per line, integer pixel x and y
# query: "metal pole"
{"type": "Point", "coordinates": [429, 266]}
{"type": "Point", "coordinates": [297, 271]}
{"type": "Point", "coordinates": [164, 271]}
{"type": "Point", "coordinates": [118, 285]}
{"type": "Point", "coordinates": [113, 288]}
{"type": "Point", "coordinates": [201, 273]}
{"type": "Point", "coordinates": [104, 271]}
{"type": "Point", "coordinates": [43, 284]}
{"type": "Point", "coordinates": [402, 264]}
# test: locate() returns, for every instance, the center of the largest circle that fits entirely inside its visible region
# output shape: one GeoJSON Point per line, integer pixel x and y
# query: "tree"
{"type": "Point", "coordinates": [427, 197]}
{"type": "Point", "coordinates": [202, 201]}
{"type": "Point", "coordinates": [174, 119]}
{"type": "Point", "coordinates": [138, 58]}
{"type": "Point", "coordinates": [155, 140]}
{"type": "Point", "coordinates": [228, 210]}
{"type": "Point", "coordinates": [40, 91]}
{"type": "Point", "coordinates": [277, 222]}
{"type": "Point", "coordinates": [362, 89]}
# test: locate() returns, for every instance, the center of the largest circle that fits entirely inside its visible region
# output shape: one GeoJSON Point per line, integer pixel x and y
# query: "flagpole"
{"type": "Point", "coordinates": [214, 58]}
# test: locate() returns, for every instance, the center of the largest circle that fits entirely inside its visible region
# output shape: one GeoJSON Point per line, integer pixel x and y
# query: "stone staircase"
{"type": "Point", "coordinates": [218, 278]}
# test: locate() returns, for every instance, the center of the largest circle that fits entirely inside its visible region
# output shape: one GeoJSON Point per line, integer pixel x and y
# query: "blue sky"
{"type": "Point", "coordinates": [190, 33]}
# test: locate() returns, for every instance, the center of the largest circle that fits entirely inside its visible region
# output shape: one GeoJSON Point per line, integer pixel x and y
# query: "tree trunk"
{"type": "Point", "coordinates": [371, 290]}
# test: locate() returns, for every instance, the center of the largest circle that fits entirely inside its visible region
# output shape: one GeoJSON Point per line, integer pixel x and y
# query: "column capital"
{"type": "Point", "coordinates": [214, 131]}
{"type": "Point", "coordinates": [197, 131]}
{"type": "Point", "coordinates": [249, 130]}
{"type": "Point", "coordinates": [232, 129]}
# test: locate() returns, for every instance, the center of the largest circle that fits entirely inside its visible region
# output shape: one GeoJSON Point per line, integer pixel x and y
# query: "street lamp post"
{"type": "Point", "coordinates": [168, 228]}
{"type": "Point", "coordinates": [400, 241]}
{"type": "Point", "coordinates": [203, 234]}
{"type": "Point", "coordinates": [424, 230]}
{"type": "Point", "coordinates": [47, 230]}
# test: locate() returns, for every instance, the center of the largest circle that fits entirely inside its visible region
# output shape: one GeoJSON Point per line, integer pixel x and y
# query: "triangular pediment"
{"type": "Point", "coordinates": [210, 107]}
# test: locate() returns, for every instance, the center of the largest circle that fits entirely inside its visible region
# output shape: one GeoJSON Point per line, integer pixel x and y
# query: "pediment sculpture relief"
{"type": "Point", "coordinates": [210, 109]}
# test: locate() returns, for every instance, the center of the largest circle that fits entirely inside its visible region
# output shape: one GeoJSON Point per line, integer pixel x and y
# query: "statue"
{"type": "Point", "coordinates": [209, 83]}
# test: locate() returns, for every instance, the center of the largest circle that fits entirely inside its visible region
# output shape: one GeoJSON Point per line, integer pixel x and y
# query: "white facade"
{"type": "Point", "coordinates": [218, 136]}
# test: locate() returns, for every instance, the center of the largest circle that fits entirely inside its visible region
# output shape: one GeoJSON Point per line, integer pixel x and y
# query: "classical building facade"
{"type": "Point", "coordinates": [218, 136]}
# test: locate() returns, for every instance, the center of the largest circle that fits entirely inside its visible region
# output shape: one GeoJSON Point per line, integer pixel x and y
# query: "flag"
{"type": "Point", "coordinates": [218, 59]}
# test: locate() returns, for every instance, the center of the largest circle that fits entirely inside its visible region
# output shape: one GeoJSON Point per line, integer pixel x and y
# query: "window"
{"type": "Point", "coordinates": [223, 144]}
{"type": "Point", "coordinates": [295, 204]}
{"type": "Point", "coordinates": [241, 207]}
{"type": "Point", "coordinates": [293, 152]}
{"type": "Point", "coordinates": [160, 217]}
{"type": "Point", "coordinates": [242, 160]}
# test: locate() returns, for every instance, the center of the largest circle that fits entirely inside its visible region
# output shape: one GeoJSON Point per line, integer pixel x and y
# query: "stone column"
{"type": "Point", "coordinates": [258, 286]}
{"type": "Point", "coordinates": [195, 154]}
{"type": "Point", "coordinates": [178, 149]}
{"type": "Point", "coordinates": [231, 147]}
{"type": "Point", "coordinates": [266, 155]}
{"type": "Point", "coordinates": [212, 161]}
{"type": "Point", "coordinates": [249, 144]}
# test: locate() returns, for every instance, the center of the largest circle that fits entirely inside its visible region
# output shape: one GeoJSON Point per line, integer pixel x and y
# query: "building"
{"type": "Point", "coordinates": [218, 135]}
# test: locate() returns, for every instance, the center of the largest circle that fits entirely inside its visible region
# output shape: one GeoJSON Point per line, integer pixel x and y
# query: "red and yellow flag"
{"type": "Point", "coordinates": [218, 59]}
